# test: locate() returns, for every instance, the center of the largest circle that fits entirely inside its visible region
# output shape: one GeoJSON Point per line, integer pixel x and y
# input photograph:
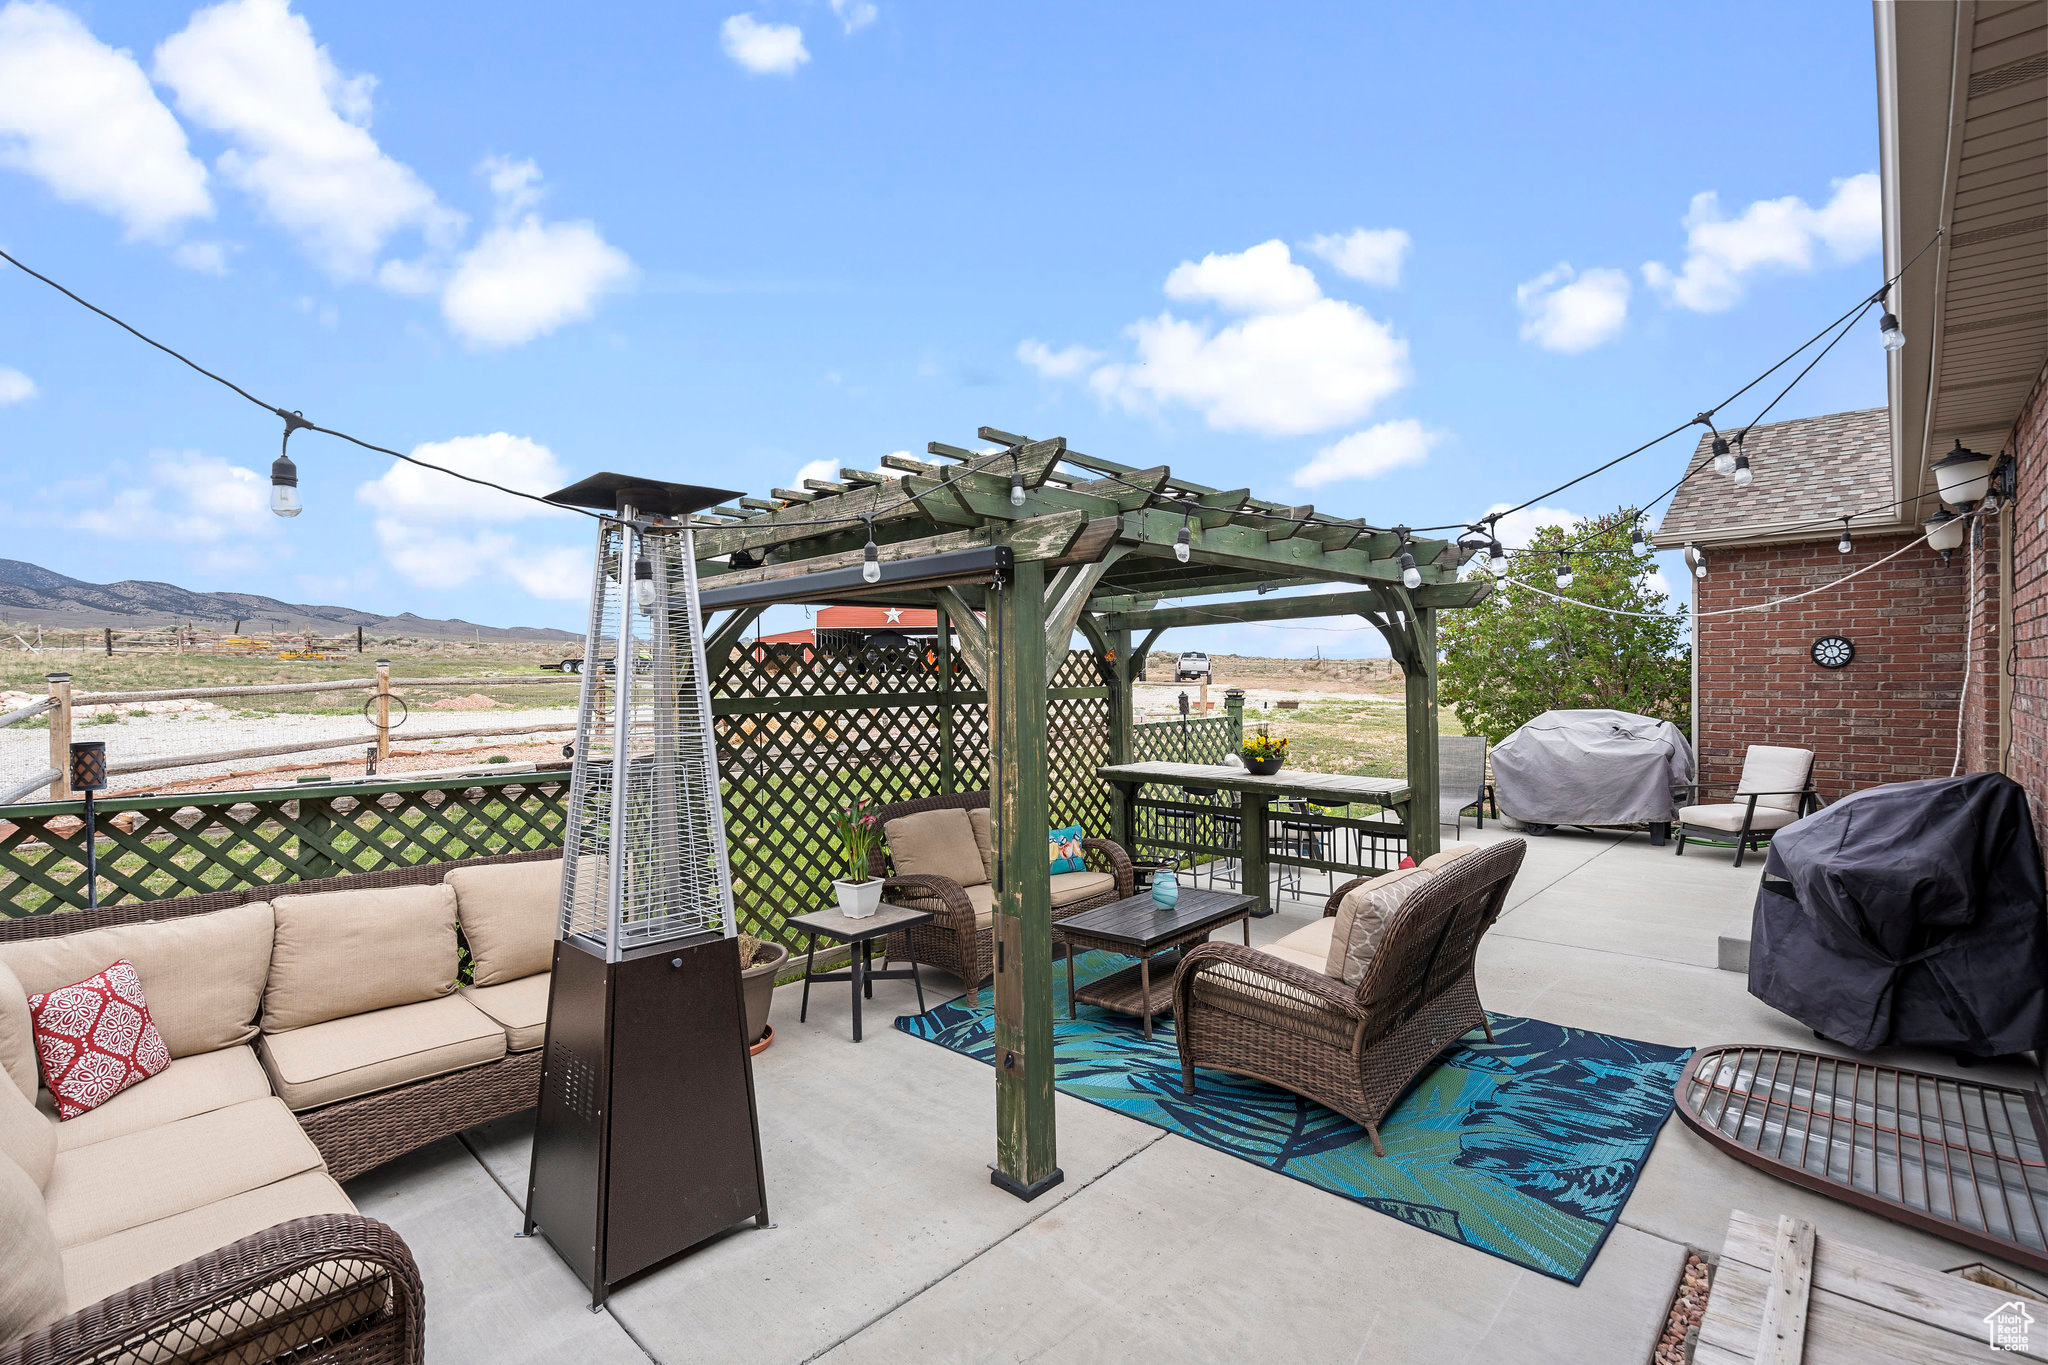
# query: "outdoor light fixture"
{"type": "Point", "coordinates": [1888, 331]}
{"type": "Point", "coordinates": [1016, 484]}
{"type": "Point", "coordinates": [644, 593]}
{"type": "Point", "coordinates": [88, 775]}
{"type": "Point", "coordinates": [1963, 476]}
{"type": "Point", "coordinates": [1944, 532]}
{"type": "Point", "coordinates": [1844, 544]}
{"type": "Point", "coordinates": [284, 475]}
{"type": "Point", "coordinates": [1742, 471]}
{"type": "Point", "coordinates": [1411, 577]}
{"type": "Point", "coordinates": [1696, 560]}
{"type": "Point", "coordinates": [1564, 572]}
{"type": "Point", "coordinates": [871, 560]}
{"type": "Point", "coordinates": [1497, 558]}
{"type": "Point", "coordinates": [1635, 537]}
{"type": "Point", "coordinates": [1183, 540]}
{"type": "Point", "coordinates": [1724, 463]}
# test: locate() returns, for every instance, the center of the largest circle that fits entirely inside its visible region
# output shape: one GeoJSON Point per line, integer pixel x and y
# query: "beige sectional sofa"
{"type": "Point", "coordinates": [313, 1034]}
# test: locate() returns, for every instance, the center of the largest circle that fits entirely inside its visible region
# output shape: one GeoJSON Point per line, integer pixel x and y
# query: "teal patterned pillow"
{"type": "Point", "coordinates": [1066, 849]}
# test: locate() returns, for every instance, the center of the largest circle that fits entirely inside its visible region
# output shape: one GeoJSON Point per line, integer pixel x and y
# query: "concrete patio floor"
{"type": "Point", "coordinates": [890, 1243]}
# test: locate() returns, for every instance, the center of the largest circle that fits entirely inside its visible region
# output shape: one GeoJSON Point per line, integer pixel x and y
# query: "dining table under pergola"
{"type": "Point", "coordinates": [1019, 544]}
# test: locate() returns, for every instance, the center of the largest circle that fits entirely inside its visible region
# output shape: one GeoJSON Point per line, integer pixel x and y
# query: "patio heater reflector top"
{"type": "Point", "coordinates": [650, 497]}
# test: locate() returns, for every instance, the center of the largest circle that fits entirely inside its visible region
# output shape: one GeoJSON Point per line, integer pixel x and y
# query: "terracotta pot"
{"type": "Point", "coordinates": [758, 984]}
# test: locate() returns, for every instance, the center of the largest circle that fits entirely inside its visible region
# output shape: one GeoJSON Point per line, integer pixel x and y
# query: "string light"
{"type": "Point", "coordinates": [1497, 558]}
{"type": "Point", "coordinates": [1564, 571]}
{"type": "Point", "coordinates": [643, 583]}
{"type": "Point", "coordinates": [871, 562]}
{"type": "Point", "coordinates": [1742, 471]}
{"type": "Point", "coordinates": [1724, 463]}
{"type": "Point", "coordinates": [1411, 576]}
{"type": "Point", "coordinates": [1888, 323]}
{"type": "Point", "coordinates": [1696, 560]}
{"type": "Point", "coordinates": [284, 475]}
{"type": "Point", "coordinates": [1845, 545]}
{"type": "Point", "coordinates": [1016, 483]}
{"type": "Point", "coordinates": [1183, 540]}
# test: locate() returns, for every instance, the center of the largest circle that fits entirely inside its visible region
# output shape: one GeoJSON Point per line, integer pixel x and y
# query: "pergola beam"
{"type": "Point", "coordinates": [1364, 602]}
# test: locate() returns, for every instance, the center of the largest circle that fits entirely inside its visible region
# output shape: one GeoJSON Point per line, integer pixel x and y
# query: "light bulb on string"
{"type": "Point", "coordinates": [1497, 558]}
{"type": "Point", "coordinates": [1888, 331]}
{"type": "Point", "coordinates": [1411, 576]}
{"type": "Point", "coordinates": [1724, 462]}
{"type": "Point", "coordinates": [1845, 545]}
{"type": "Point", "coordinates": [643, 584]}
{"type": "Point", "coordinates": [871, 560]}
{"type": "Point", "coordinates": [1743, 473]}
{"type": "Point", "coordinates": [284, 475]}
{"type": "Point", "coordinates": [1183, 540]}
{"type": "Point", "coordinates": [1016, 484]}
{"type": "Point", "coordinates": [1564, 572]}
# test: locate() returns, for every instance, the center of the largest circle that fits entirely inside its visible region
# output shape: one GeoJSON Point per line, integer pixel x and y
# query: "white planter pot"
{"type": "Point", "coordinates": [859, 900]}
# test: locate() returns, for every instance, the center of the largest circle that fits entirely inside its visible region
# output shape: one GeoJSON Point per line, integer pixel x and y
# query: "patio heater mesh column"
{"type": "Point", "coordinates": [646, 1142]}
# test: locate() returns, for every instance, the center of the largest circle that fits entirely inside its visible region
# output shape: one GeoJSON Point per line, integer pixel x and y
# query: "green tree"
{"type": "Point", "coordinates": [1519, 653]}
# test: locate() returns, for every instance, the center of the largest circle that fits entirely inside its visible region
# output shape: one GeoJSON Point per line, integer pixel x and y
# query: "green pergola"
{"type": "Point", "coordinates": [1089, 546]}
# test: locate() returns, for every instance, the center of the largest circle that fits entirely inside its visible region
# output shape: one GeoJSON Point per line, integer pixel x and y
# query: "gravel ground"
{"type": "Point", "coordinates": [25, 752]}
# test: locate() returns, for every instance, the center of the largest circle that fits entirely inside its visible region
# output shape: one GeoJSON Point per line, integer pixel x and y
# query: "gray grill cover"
{"type": "Point", "coordinates": [1592, 768]}
{"type": "Point", "coordinates": [1909, 915]}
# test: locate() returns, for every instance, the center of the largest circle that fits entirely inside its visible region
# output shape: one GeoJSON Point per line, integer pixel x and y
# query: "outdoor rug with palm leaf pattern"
{"type": "Point", "coordinates": [1526, 1147]}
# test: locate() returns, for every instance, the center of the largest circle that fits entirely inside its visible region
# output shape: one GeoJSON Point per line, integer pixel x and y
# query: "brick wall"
{"type": "Point", "coordinates": [1890, 716]}
{"type": "Point", "coordinates": [2027, 521]}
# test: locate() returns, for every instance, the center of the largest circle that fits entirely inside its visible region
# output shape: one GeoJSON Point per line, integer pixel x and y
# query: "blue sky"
{"type": "Point", "coordinates": [1404, 262]}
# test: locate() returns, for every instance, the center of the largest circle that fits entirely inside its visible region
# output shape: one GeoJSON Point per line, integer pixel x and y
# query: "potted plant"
{"type": "Point", "coordinates": [760, 960]}
{"type": "Point", "coordinates": [1264, 754]}
{"type": "Point", "coordinates": [860, 893]}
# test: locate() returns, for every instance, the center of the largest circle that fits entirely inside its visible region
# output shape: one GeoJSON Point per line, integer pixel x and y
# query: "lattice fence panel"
{"type": "Point", "coordinates": [150, 848]}
{"type": "Point", "coordinates": [1205, 740]}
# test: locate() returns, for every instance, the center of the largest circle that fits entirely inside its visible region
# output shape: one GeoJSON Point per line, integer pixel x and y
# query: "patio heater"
{"type": "Point", "coordinates": [647, 1140]}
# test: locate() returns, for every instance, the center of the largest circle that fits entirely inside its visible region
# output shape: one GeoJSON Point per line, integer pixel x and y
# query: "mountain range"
{"type": "Point", "coordinates": [33, 595]}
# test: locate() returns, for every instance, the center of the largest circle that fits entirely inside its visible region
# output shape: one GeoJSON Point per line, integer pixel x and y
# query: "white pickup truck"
{"type": "Point", "coordinates": [1192, 666]}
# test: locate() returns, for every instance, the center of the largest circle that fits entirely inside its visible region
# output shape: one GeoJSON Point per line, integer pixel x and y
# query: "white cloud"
{"type": "Point", "coordinates": [15, 387]}
{"type": "Point", "coordinates": [1368, 454]}
{"type": "Point", "coordinates": [764, 49]}
{"type": "Point", "coordinates": [515, 185]}
{"type": "Point", "coordinates": [525, 279]}
{"type": "Point", "coordinates": [1782, 233]}
{"type": "Point", "coordinates": [1260, 279]}
{"type": "Point", "coordinates": [825, 470]}
{"type": "Point", "coordinates": [443, 532]}
{"type": "Point", "coordinates": [855, 14]}
{"type": "Point", "coordinates": [251, 70]}
{"type": "Point", "coordinates": [208, 258]}
{"type": "Point", "coordinates": [1067, 363]}
{"type": "Point", "coordinates": [80, 117]}
{"type": "Point", "coordinates": [1570, 312]}
{"type": "Point", "coordinates": [1373, 255]}
{"type": "Point", "coordinates": [189, 498]}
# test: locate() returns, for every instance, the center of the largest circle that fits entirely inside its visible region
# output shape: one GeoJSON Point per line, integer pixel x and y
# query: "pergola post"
{"type": "Point", "coordinates": [1122, 670]}
{"type": "Point", "coordinates": [942, 661]}
{"type": "Point", "coordinates": [1425, 835]}
{"type": "Point", "coordinates": [1026, 1149]}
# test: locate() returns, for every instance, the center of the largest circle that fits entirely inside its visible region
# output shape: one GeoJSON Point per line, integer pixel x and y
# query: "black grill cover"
{"type": "Point", "coordinates": [1909, 915]}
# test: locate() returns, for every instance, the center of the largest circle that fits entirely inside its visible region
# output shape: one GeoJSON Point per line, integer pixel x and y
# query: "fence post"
{"type": "Point", "coordinates": [110, 640]}
{"type": "Point", "coordinates": [383, 709]}
{"type": "Point", "coordinates": [60, 735]}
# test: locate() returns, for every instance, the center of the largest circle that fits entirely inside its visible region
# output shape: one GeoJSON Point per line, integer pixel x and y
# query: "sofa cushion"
{"type": "Point", "coordinates": [94, 1039]}
{"type": "Point", "coordinates": [1362, 919]}
{"type": "Point", "coordinates": [508, 916]}
{"type": "Point", "coordinates": [27, 1137]}
{"type": "Point", "coordinates": [1068, 887]}
{"type": "Point", "coordinates": [1297, 956]}
{"type": "Point", "coordinates": [936, 843]}
{"type": "Point", "coordinates": [1438, 861]}
{"type": "Point", "coordinates": [1774, 768]}
{"type": "Point", "coordinates": [17, 1034]}
{"type": "Point", "coordinates": [361, 1054]}
{"type": "Point", "coordinates": [31, 1266]}
{"type": "Point", "coordinates": [348, 952]}
{"type": "Point", "coordinates": [106, 1187]}
{"type": "Point", "coordinates": [110, 1264]}
{"type": "Point", "coordinates": [984, 841]}
{"type": "Point", "coordinates": [1727, 816]}
{"type": "Point", "coordinates": [519, 1007]}
{"type": "Point", "coordinates": [1312, 938]}
{"type": "Point", "coordinates": [203, 974]}
{"type": "Point", "coordinates": [198, 1084]}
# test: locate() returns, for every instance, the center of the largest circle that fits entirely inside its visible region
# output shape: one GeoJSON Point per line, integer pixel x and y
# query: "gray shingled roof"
{"type": "Point", "coordinates": [1806, 471]}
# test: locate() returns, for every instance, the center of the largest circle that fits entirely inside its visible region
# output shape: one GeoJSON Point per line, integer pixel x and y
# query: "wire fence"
{"type": "Point", "coordinates": [185, 739]}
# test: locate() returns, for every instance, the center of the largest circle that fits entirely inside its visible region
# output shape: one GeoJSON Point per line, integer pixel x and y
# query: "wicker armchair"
{"type": "Point", "coordinates": [952, 942]}
{"type": "Point", "coordinates": [1355, 1048]}
{"type": "Point", "coordinates": [338, 1288]}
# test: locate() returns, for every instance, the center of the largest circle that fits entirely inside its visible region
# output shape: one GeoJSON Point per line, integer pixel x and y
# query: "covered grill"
{"type": "Point", "coordinates": [1909, 915]}
{"type": "Point", "coordinates": [1593, 768]}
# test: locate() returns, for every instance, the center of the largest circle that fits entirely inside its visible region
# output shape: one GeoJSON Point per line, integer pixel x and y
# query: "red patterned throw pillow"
{"type": "Point", "coordinates": [95, 1039]}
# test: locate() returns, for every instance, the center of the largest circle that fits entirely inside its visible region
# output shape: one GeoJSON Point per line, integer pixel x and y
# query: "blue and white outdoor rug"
{"type": "Point", "coordinates": [1527, 1147]}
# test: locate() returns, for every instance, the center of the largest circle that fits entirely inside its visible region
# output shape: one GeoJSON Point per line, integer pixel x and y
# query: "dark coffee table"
{"type": "Point", "coordinates": [1138, 928]}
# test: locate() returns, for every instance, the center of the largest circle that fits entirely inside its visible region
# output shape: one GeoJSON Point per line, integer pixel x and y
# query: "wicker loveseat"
{"type": "Point", "coordinates": [1351, 1021]}
{"type": "Point", "coordinates": [960, 940]}
{"type": "Point", "coordinates": [317, 1029]}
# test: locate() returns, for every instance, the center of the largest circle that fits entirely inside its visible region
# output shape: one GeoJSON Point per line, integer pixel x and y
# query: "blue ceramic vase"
{"type": "Point", "coordinates": [1165, 889]}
